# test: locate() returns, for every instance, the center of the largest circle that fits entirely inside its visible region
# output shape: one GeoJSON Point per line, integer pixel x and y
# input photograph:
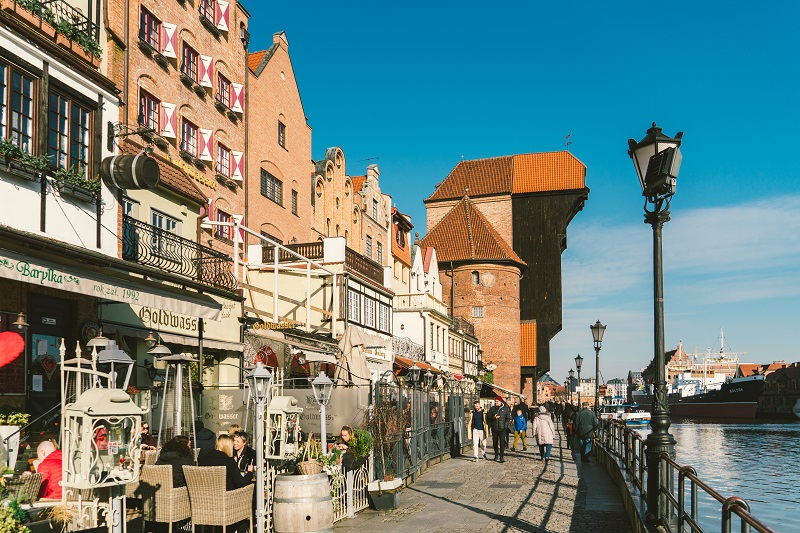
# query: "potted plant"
{"type": "Point", "coordinates": [358, 448]}
{"type": "Point", "coordinates": [11, 421]}
{"type": "Point", "coordinates": [9, 151]}
{"type": "Point", "coordinates": [385, 424]}
{"type": "Point", "coordinates": [72, 182]}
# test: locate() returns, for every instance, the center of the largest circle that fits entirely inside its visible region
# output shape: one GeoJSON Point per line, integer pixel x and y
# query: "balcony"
{"type": "Point", "coordinates": [309, 250]}
{"type": "Point", "coordinates": [59, 17]}
{"type": "Point", "coordinates": [405, 347]}
{"type": "Point", "coordinates": [419, 301]}
{"type": "Point", "coordinates": [355, 262]}
{"type": "Point", "coordinates": [462, 324]}
{"type": "Point", "coordinates": [148, 245]}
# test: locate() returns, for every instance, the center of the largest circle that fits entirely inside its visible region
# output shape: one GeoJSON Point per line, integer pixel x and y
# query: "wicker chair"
{"type": "Point", "coordinates": [161, 502]}
{"type": "Point", "coordinates": [212, 505]}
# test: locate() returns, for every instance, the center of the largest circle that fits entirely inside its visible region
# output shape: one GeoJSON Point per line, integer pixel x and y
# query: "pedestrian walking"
{"type": "Point", "coordinates": [520, 428]}
{"type": "Point", "coordinates": [477, 426]}
{"type": "Point", "coordinates": [585, 424]}
{"type": "Point", "coordinates": [544, 432]}
{"type": "Point", "coordinates": [499, 417]}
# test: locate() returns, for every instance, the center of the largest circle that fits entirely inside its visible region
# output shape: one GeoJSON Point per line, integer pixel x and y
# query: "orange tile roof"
{"type": "Point", "coordinates": [464, 234]}
{"type": "Point", "coordinates": [480, 176]}
{"type": "Point", "coordinates": [170, 176]}
{"type": "Point", "coordinates": [527, 351]}
{"type": "Point", "coordinates": [254, 59]}
{"type": "Point", "coordinates": [525, 173]}
{"type": "Point", "coordinates": [549, 171]}
{"type": "Point", "coordinates": [427, 255]}
{"type": "Point", "coordinates": [358, 183]}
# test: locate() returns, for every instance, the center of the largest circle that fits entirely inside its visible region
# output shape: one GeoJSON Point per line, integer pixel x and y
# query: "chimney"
{"type": "Point", "coordinates": [280, 39]}
{"type": "Point", "coordinates": [373, 172]}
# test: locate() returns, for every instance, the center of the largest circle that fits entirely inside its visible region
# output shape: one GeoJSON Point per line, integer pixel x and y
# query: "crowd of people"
{"type": "Point", "coordinates": [501, 421]}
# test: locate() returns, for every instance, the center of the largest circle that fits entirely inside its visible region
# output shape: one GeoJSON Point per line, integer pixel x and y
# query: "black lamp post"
{"type": "Point", "coordinates": [598, 330]}
{"type": "Point", "coordinates": [657, 159]}
{"type": "Point", "coordinates": [578, 364]}
{"type": "Point", "coordinates": [571, 378]}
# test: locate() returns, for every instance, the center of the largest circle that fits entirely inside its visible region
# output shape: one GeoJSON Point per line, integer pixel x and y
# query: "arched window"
{"type": "Point", "coordinates": [476, 277]}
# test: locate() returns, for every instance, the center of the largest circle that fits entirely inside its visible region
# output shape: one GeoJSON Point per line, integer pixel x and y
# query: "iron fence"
{"type": "Point", "coordinates": [680, 501]}
{"type": "Point", "coordinates": [430, 423]}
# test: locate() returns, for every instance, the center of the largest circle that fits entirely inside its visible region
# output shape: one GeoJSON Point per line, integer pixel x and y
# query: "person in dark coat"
{"type": "Point", "coordinates": [206, 440]}
{"type": "Point", "coordinates": [148, 442]}
{"type": "Point", "coordinates": [222, 455]}
{"type": "Point", "coordinates": [244, 455]}
{"type": "Point", "coordinates": [499, 417]}
{"type": "Point", "coordinates": [176, 453]}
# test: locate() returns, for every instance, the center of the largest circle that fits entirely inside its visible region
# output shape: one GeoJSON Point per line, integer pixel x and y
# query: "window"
{"type": "Point", "coordinates": [271, 187]}
{"type": "Point", "coordinates": [130, 207]}
{"type": "Point", "coordinates": [374, 209]}
{"type": "Point", "coordinates": [189, 65]}
{"type": "Point", "coordinates": [477, 312]}
{"type": "Point", "coordinates": [68, 134]}
{"type": "Point", "coordinates": [353, 306]}
{"type": "Point", "coordinates": [369, 246]}
{"type": "Point", "coordinates": [282, 134]}
{"type": "Point", "coordinates": [223, 232]}
{"type": "Point", "coordinates": [400, 236]}
{"type": "Point", "coordinates": [164, 241]}
{"type": "Point", "coordinates": [369, 312]}
{"type": "Point", "coordinates": [379, 256]}
{"type": "Point", "coordinates": [294, 202]}
{"type": "Point", "coordinates": [189, 137]}
{"type": "Point", "coordinates": [223, 160]}
{"type": "Point", "coordinates": [206, 9]}
{"type": "Point", "coordinates": [16, 104]}
{"type": "Point", "coordinates": [383, 317]}
{"type": "Point", "coordinates": [224, 90]}
{"type": "Point", "coordinates": [149, 110]}
{"type": "Point", "coordinates": [476, 277]}
{"type": "Point", "coordinates": [431, 337]}
{"type": "Point", "coordinates": [149, 29]}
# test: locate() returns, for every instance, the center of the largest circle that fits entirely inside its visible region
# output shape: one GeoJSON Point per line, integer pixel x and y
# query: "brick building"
{"type": "Point", "coordinates": [279, 149]}
{"type": "Point", "coordinates": [528, 200]}
{"type": "Point", "coordinates": [480, 275]}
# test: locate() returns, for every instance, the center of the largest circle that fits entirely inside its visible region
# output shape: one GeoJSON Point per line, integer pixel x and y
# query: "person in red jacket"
{"type": "Point", "coordinates": [49, 466]}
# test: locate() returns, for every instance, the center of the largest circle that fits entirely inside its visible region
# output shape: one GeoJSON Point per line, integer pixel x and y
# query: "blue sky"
{"type": "Point", "coordinates": [422, 84]}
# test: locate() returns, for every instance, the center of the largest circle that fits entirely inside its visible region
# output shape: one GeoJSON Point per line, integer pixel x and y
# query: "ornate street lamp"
{"type": "Point", "coordinates": [413, 374]}
{"type": "Point", "coordinates": [323, 388]}
{"type": "Point", "coordinates": [571, 377]}
{"type": "Point", "coordinates": [578, 364]}
{"type": "Point", "coordinates": [428, 377]}
{"type": "Point", "coordinates": [259, 381]}
{"type": "Point", "coordinates": [657, 159]}
{"type": "Point", "coordinates": [598, 330]}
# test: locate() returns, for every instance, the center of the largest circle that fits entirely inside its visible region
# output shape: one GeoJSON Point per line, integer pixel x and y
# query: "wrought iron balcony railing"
{"type": "Point", "coordinates": [405, 347]}
{"type": "Point", "coordinates": [66, 19]}
{"type": "Point", "coordinates": [459, 323]}
{"type": "Point", "coordinates": [148, 245]}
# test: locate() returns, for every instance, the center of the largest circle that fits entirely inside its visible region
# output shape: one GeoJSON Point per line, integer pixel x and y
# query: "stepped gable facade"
{"type": "Point", "coordinates": [529, 201]}
{"type": "Point", "coordinates": [480, 275]}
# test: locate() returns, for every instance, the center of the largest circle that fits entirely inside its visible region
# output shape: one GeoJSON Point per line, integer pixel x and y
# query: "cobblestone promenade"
{"type": "Point", "coordinates": [522, 494]}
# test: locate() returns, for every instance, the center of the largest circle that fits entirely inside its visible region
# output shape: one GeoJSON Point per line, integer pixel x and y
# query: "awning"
{"type": "Point", "coordinates": [108, 286]}
{"type": "Point", "coordinates": [172, 338]}
{"type": "Point", "coordinates": [494, 387]}
{"type": "Point", "coordinates": [405, 363]}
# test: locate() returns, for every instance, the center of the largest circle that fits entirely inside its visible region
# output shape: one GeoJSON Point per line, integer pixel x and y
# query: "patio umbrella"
{"type": "Point", "coordinates": [352, 364]}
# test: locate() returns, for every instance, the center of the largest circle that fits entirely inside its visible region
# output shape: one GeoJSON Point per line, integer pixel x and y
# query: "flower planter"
{"type": "Point", "coordinates": [385, 495]}
{"type": "Point", "coordinates": [19, 170]}
{"type": "Point", "coordinates": [8, 455]}
{"type": "Point", "coordinates": [222, 108]}
{"type": "Point", "coordinates": [75, 191]}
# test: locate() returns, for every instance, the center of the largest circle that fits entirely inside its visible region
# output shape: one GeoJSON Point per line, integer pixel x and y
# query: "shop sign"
{"type": "Point", "coordinates": [344, 409]}
{"type": "Point", "coordinates": [160, 317]}
{"type": "Point", "coordinates": [221, 408]}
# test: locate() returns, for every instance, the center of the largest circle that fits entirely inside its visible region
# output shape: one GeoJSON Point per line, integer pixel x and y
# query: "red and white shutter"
{"type": "Point", "coordinates": [237, 97]}
{"type": "Point", "coordinates": [237, 165]}
{"type": "Point", "coordinates": [206, 71]}
{"type": "Point", "coordinates": [206, 144]}
{"type": "Point", "coordinates": [239, 219]}
{"type": "Point", "coordinates": [222, 15]}
{"type": "Point", "coordinates": [169, 120]}
{"type": "Point", "coordinates": [169, 39]}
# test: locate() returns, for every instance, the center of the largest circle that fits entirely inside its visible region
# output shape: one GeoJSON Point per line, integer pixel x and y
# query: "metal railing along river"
{"type": "Point", "coordinates": [680, 497]}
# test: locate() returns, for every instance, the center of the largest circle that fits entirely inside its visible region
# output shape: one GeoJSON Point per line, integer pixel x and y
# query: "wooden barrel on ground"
{"type": "Point", "coordinates": [302, 504]}
{"type": "Point", "coordinates": [130, 171]}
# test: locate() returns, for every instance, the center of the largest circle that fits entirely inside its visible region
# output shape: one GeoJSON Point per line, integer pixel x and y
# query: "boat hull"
{"type": "Point", "coordinates": [735, 400]}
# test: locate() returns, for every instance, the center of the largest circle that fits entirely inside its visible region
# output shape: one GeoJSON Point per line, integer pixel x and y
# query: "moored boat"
{"type": "Point", "coordinates": [631, 414]}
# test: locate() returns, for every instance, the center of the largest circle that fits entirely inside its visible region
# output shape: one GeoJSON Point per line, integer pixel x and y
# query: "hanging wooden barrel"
{"type": "Point", "coordinates": [130, 171]}
{"type": "Point", "coordinates": [302, 504]}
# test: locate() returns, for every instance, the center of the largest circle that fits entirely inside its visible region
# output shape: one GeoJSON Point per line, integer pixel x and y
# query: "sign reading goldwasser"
{"type": "Point", "coordinates": [27, 271]}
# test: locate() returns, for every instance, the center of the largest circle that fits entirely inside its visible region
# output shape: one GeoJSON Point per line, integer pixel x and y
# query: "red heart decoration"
{"type": "Point", "coordinates": [11, 345]}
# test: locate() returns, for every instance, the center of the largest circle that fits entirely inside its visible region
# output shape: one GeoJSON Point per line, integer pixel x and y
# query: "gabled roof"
{"type": "Point", "coordinates": [516, 174]}
{"type": "Point", "coordinates": [254, 59]}
{"type": "Point", "coordinates": [358, 183]}
{"type": "Point", "coordinates": [464, 234]}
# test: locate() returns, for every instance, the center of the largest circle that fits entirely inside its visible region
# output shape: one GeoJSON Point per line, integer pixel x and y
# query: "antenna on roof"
{"type": "Point", "coordinates": [368, 159]}
{"type": "Point", "coordinates": [568, 142]}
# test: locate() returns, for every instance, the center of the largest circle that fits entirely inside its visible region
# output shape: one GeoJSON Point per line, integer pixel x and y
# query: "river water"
{"type": "Point", "coordinates": [759, 462]}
